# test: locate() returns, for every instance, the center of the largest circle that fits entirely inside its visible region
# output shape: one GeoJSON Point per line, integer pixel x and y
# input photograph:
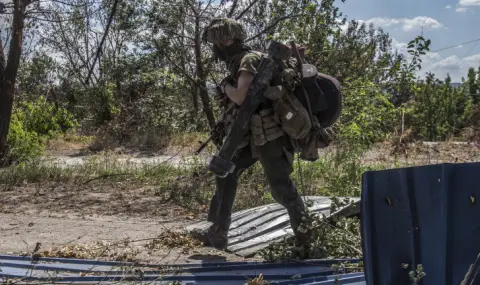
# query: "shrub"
{"type": "Point", "coordinates": [23, 144]}
{"type": "Point", "coordinates": [31, 126]}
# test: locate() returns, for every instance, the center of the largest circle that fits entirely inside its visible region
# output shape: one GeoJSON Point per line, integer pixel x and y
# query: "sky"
{"type": "Point", "coordinates": [445, 22]}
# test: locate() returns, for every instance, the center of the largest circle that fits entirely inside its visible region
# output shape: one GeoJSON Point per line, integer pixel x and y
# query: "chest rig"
{"type": "Point", "coordinates": [264, 125]}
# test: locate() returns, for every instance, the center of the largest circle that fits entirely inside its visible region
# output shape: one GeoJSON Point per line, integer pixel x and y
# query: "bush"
{"type": "Point", "coordinates": [23, 144]}
{"type": "Point", "coordinates": [31, 126]}
{"type": "Point", "coordinates": [45, 118]}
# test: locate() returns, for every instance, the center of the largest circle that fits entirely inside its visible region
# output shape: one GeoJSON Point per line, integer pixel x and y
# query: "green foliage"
{"type": "Point", "coordinates": [23, 144]}
{"type": "Point", "coordinates": [168, 105]}
{"type": "Point", "coordinates": [473, 84]}
{"type": "Point", "coordinates": [367, 116]}
{"type": "Point", "coordinates": [44, 118]}
{"type": "Point", "coordinates": [361, 52]}
{"type": "Point", "coordinates": [415, 275]}
{"type": "Point", "coordinates": [36, 76]}
{"type": "Point", "coordinates": [153, 72]}
{"type": "Point", "coordinates": [32, 125]}
{"type": "Point", "coordinates": [438, 112]}
{"type": "Point", "coordinates": [336, 237]}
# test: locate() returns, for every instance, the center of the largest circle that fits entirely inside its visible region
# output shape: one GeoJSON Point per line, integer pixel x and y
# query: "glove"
{"type": "Point", "coordinates": [227, 80]}
{"type": "Point", "coordinates": [220, 94]}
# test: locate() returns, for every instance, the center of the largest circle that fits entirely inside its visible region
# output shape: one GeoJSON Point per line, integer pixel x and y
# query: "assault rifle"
{"type": "Point", "coordinates": [221, 165]}
{"type": "Point", "coordinates": [216, 134]}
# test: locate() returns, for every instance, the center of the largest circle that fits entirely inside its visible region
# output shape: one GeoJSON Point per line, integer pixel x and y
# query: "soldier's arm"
{"type": "Point", "coordinates": [238, 94]}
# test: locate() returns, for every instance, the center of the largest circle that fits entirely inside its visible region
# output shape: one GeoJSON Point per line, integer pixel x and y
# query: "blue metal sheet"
{"type": "Point", "coordinates": [428, 215]}
{"type": "Point", "coordinates": [254, 229]}
{"type": "Point", "coordinates": [348, 278]}
{"type": "Point", "coordinates": [91, 271]}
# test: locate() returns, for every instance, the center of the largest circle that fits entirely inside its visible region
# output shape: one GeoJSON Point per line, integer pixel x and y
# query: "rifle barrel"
{"type": "Point", "coordinates": [202, 146]}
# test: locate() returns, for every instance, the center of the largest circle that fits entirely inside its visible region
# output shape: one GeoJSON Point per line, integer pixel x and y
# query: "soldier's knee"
{"type": "Point", "coordinates": [284, 193]}
{"type": "Point", "coordinates": [234, 176]}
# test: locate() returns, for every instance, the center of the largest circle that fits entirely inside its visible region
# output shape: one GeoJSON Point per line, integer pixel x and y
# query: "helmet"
{"type": "Point", "coordinates": [222, 29]}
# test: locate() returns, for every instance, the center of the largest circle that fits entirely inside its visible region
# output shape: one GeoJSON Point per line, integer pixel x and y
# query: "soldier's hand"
{"type": "Point", "coordinates": [227, 80]}
{"type": "Point", "coordinates": [219, 95]}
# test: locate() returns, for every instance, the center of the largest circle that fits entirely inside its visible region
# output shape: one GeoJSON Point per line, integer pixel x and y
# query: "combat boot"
{"type": "Point", "coordinates": [303, 238]}
{"type": "Point", "coordinates": [213, 237]}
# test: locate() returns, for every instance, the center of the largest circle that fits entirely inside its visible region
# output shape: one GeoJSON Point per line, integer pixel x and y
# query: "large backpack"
{"type": "Point", "coordinates": [313, 104]}
{"type": "Point", "coordinates": [324, 97]}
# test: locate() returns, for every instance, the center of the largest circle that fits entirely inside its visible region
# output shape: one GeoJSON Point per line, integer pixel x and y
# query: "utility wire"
{"type": "Point", "coordinates": [471, 49]}
{"type": "Point", "coordinates": [450, 47]}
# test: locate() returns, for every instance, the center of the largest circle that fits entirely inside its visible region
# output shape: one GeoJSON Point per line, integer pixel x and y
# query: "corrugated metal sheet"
{"type": "Point", "coordinates": [76, 271]}
{"type": "Point", "coordinates": [256, 228]}
{"type": "Point", "coordinates": [428, 215]}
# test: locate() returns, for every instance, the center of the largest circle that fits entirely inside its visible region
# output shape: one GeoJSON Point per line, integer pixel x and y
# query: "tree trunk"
{"type": "Point", "coordinates": [6, 104]}
{"type": "Point", "coordinates": [201, 76]}
{"type": "Point", "coordinates": [9, 73]}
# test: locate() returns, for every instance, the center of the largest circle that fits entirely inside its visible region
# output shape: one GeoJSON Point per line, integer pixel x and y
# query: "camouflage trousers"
{"type": "Point", "coordinates": [277, 163]}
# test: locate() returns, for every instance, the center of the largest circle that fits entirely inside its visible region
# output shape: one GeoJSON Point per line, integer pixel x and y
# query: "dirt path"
{"type": "Point", "coordinates": [74, 219]}
{"type": "Point", "coordinates": [21, 233]}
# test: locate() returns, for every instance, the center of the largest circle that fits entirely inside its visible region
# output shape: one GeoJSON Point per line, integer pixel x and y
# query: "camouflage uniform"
{"type": "Point", "coordinates": [265, 142]}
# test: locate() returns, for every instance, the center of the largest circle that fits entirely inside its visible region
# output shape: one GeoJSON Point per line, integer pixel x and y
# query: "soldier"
{"type": "Point", "coordinates": [265, 142]}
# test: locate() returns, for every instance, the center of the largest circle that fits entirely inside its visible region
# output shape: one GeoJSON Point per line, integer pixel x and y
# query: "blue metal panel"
{"type": "Point", "coordinates": [348, 278]}
{"type": "Point", "coordinates": [428, 215]}
{"type": "Point", "coordinates": [254, 229]}
{"type": "Point", "coordinates": [70, 270]}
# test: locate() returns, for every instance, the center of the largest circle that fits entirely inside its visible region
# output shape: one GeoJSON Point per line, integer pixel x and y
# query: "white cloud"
{"type": "Point", "coordinates": [407, 24]}
{"type": "Point", "coordinates": [460, 46]}
{"type": "Point", "coordinates": [400, 47]}
{"type": "Point", "coordinates": [434, 62]}
{"type": "Point", "coordinates": [461, 10]}
{"type": "Point", "coordinates": [456, 66]}
{"type": "Point", "coordinates": [473, 59]}
{"type": "Point", "coordinates": [452, 63]}
{"type": "Point", "coordinates": [418, 22]}
{"type": "Point", "coordinates": [448, 7]}
{"type": "Point", "coordinates": [469, 2]}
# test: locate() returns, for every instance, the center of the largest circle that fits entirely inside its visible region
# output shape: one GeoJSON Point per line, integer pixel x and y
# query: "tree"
{"type": "Point", "coordinates": [9, 69]}
{"type": "Point", "coordinates": [173, 31]}
{"type": "Point", "coordinates": [473, 84]}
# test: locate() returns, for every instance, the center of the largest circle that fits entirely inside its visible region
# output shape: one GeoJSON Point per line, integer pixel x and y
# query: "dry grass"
{"type": "Point", "coordinates": [123, 251]}
{"type": "Point", "coordinates": [152, 140]}
{"type": "Point", "coordinates": [172, 239]}
{"type": "Point", "coordinates": [257, 281]}
{"type": "Point", "coordinates": [69, 142]}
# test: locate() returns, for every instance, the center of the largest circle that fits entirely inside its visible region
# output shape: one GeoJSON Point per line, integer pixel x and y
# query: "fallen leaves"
{"type": "Point", "coordinates": [172, 239]}
{"type": "Point", "coordinates": [257, 281]}
{"type": "Point", "coordinates": [112, 251]}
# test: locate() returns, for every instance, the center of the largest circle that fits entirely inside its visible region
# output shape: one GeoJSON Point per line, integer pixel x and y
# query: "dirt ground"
{"type": "Point", "coordinates": [21, 233]}
{"type": "Point", "coordinates": [60, 215]}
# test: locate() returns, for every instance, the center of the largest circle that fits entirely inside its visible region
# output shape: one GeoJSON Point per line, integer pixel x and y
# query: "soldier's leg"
{"type": "Point", "coordinates": [221, 205]}
{"type": "Point", "coordinates": [277, 160]}
{"type": "Point", "coordinates": [222, 202]}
